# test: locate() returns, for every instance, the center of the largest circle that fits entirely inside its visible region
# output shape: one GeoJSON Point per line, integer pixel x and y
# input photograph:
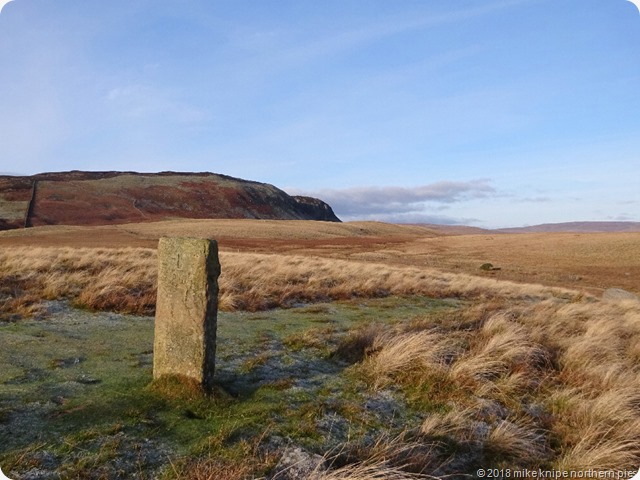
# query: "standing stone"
{"type": "Point", "coordinates": [186, 309]}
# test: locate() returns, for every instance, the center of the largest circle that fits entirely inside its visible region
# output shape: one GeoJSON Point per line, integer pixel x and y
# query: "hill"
{"type": "Point", "coordinates": [104, 198]}
{"type": "Point", "coordinates": [455, 229]}
{"type": "Point", "coordinates": [566, 227]}
{"type": "Point", "coordinates": [576, 227]}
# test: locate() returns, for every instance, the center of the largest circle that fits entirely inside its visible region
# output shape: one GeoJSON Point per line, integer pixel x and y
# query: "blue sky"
{"type": "Point", "coordinates": [491, 113]}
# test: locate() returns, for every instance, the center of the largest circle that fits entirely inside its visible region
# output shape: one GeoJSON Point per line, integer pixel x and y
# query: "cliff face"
{"type": "Point", "coordinates": [100, 198]}
{"type": "Point", "coordinates": [316, 208]}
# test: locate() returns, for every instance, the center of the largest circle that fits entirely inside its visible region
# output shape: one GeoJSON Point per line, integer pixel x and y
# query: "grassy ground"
{"type": "Point", "coordinates": [82, 402]}
{"type": "Point", "coordinates": [341, 346]}
{"type": "Point", "coordinates": [402, 385]}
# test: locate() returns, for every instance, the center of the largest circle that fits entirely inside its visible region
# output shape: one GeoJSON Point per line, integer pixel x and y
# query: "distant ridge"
{"type": "Point", "coordinates": [567, 227]}
{"type": "Point", "coordinates": [576, 227]}
{"type": "Point", "coordinates": [454, 229]}
{"type": "Point", "coordinates": [104, 198]}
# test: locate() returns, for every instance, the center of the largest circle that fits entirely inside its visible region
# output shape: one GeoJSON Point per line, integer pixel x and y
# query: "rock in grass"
{"type": "Point", "coordinates": [296, 464]}
{"type": "Point", "coordinates": [39, 474]}
{"type": "Point", "coordinates": [618, 294]}
{"type": "Point", "coordinates": [87, 380]}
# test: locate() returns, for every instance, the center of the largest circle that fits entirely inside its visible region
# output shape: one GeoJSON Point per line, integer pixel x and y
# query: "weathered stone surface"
{"type": "Point", "coordinates": [618, 294]}
{"type": "Point", "coordinates": [297, 464]}
{"type": "Point", "coordinates": [186, 309]}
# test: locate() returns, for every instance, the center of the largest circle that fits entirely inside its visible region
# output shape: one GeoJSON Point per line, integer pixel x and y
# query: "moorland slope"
{"type": "Point", "coordinates": [590, 261]}
{"type": "Point", "coordinates": [104, 198]}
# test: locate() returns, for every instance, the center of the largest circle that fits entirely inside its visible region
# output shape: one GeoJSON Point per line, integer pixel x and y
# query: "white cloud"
{"type": "Point", "coordinates": [413, 218]}
{"type": "Point", "coordinates": [401, 203]}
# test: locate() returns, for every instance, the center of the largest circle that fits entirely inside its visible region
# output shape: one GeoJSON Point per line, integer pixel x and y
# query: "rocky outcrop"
{"type": "Point", "coordinates": [316, 208]}
{"type": "Point", "coordinates": [101, 198]}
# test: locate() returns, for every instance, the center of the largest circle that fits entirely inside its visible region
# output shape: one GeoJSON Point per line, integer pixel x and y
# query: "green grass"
{"type": "Point", "coordinates": [78, 386]}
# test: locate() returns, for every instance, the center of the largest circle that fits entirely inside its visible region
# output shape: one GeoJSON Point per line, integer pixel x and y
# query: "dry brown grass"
{"type": "Point", "coordinates": [124, 280]}
{"type": "Point", "coordinates": [258, 281]}
{"type": "Point", "coordinates": [401, 354]}
{"type": "Point", "coordinates": [534, 375]}
{"type": "Point", "coordinates": [387, 458]}
{"type": "Point", "coordinates": [518, 440]}
{"type": "Point", "coordinates": [372, 469]}
{"type": "Point", "coordinates": [548, 384]}
{"type": "Point", "coordinates": [358, 343]}
{"type": "Point", "coordinates": [120, 280]}
{"type": "Point", "coordinates": [249, 463]}
{"type": "Point", "coordinates": [243, 234]}
{"type": "Point", "coordinates": [213, 469]}
{"type": "Point", "coordinates": [589, 261]}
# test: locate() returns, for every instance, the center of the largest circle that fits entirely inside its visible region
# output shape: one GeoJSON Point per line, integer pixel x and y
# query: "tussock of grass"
{"type": "Point", "coordinates": [404, 353]}
{"type": "Point", "coordinates": [518, 441]}
{"type": "Point", "coordinates": [456, 424]}
{"type": "Point", "coordinates": [370, 470]}
{"type": "Point", "coordinates": [394, 458]}
{"type": "Point", "coordinates": [211, 469]}
{"type": "Point", "coordinates": [547, 384]}
{"type": "Point", "coordinates": [595, 451]}
{"type": "Point", "coordinates": [246, 461]}
{"type": "Point", "coordinates": [502, 349]}
{"type": "Point", "coordinates": [358, 343]}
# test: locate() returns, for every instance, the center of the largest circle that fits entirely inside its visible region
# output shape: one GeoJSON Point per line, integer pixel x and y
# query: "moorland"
{"type": "Point", "coordinates": [360, 349]}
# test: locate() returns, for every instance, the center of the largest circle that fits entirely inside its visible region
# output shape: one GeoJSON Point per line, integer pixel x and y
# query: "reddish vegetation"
{"type": "Point", "coordinates": [102, 198]}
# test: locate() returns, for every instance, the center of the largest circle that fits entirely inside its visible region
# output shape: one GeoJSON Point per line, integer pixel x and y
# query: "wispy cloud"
{"type": "Point", "coordinates": [415, 218]}
{"type": "Point", "coordinates": [535, 200]}
{"type": "Point", "coordinates": [142, 101]}
{"type": "Point", "coordinates": [403, 204]}
{"type": "Point", "coordinates": [392, 26]}
{"type": "Point", "coordinates": [623, 217]}
{"type": "Point", "coordinates": [277, 50]}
